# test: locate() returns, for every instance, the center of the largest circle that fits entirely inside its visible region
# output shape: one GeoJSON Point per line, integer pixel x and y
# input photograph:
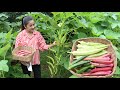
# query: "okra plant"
{"type": "Point", "coordinates": [66, 27]}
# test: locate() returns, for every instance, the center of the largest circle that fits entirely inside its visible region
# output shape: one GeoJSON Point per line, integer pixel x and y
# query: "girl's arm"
{"type": "Point", "coordinates": [51, 45]}
{"type": "Point", "coordinates": [42, 44]}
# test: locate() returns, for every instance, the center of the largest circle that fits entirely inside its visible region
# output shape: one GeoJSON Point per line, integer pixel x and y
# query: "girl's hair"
{"type": "Point", "coordinates": [25, 21]}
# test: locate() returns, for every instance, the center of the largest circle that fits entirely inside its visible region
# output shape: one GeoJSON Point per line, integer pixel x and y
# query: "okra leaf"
{"type": "Point", "coordinates": [82, 35]}
{"type": "Point", "coordinates": [111, 34]}
{"type": "Point", "coordinates": [73, 76]}
{"type": "Point", "coordinates": [66, 64]}
{"type": "Point", "coordinates": [117, 70]}
{"type": "Point", "coordinates": [4, 66]}
{"type": "Point", "coordinates": [102, 36]}
{"type": "Point", "coordinates": [114, 16]}
{"type": "Point", "coordinates": [9, 35]}
{"type": "Point", "coordinates": [118, 55]}
{"type": "Point", "coordinates": [96, 31]}
{"type": "Point", "coordinates": [4, 50]}
{"type": "Point", "coordinates": [114, 25]}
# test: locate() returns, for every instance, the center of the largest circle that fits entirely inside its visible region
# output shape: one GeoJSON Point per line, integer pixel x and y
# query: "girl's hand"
{"type": "Point", "coordinates": [54, 43]}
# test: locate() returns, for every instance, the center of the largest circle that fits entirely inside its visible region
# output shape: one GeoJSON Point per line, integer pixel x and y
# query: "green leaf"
{"type": "Point", "coordinates": [119, 24]}
{"type": "Point", "coordinates": [114, 25]}
{"type": "Point", "coordinates": [73, 76]}
{"type": "Point", "coordinates": [115, 48]}
{"type": "Point", "coordinates": [118, 55]}
{"type": "Point", "coordinates": [81, 23]}
{"type": "Point", "coordinates": [114, 16]}
{"type": "Point", "coordinates": [96, 17]}
{"type": "Point", "coordinates": [97, 31]}
{"type": "Point", "coordinates": [63, 38]}
{"type": "Point", "coordinates": [43, 26]}
{"type": "Point", "coordinates": [102, 36]}
{"type": "Point", "coordinates": [4, 66]}
{"type": "Point", "coordinates": [68, 14]}
{"type": "Point", "coordinates": [82, 14]}
{"type": "Point", "coordinates": [55, 13]}
{"type": "Point", "coordinates": [84, 22]}
{"type": "Point", "coordinates": [2, 35]}
{"type": "Point", "coordinates": [104, 24]}
{"type": "Point", "coordinates": [117, 70]}
{"type": "Point", "coordinates": [4, 50]}
{"type": "Point", "coordinates": [3, 41]}
{"type": "Point", "coordinates": [3, 17]}
{"type": "Point", "coordinates": [82, 35]}
{"type": "Point", "coordinates": [111, 34]}
{"type": "Point", "coordinates": [6, 25]}
{"type": "Point", "coordinates": [15, 34]}
{"type": "Point", "coordinates": [9, 35]}
{"type": "Point", "coordinates": [118, 39]}
{"type": "Point", "coordinates": [66, 64]}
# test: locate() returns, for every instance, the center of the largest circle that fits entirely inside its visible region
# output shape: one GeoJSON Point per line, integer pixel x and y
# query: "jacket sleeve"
{"type": "Point", "coordinates": [41, 43]}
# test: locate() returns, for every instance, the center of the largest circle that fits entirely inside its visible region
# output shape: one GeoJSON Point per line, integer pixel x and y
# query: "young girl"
{"type": "Point", "coordinates": [30, 37]}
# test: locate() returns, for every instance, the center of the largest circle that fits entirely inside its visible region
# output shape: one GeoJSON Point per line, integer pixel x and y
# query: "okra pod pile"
{"type": "Point", "coordinates": [91, 59]}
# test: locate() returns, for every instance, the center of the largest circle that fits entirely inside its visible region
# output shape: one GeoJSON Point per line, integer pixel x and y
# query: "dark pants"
{"type": "Point", "coordinates": [36, 70]}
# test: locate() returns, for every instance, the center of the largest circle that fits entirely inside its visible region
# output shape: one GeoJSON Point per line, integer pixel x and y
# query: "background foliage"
{"type": "Point", "coordinates": [65, 28]}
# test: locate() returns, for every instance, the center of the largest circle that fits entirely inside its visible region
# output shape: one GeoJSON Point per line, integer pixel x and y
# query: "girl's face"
{"type": "Point", "coordinates": [30, 26]}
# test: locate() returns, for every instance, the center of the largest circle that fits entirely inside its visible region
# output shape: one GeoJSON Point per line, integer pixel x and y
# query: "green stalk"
{"type": "Point", "coordinates": [3, 74]}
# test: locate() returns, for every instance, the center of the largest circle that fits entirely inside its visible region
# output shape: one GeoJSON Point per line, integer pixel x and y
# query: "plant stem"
{"type": "Point", "coordinates": [4, 56]}
{"type": "Point", "coordinates": [3, 74]}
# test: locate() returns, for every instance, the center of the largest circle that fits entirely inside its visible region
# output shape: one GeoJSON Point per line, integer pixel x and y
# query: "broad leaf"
{"type": "Point", "coordinates": [97, 31]}
{"type": "Point", "coordinates": [102, 36]}
{"type": "Point", "coordinates": [9, 35]}
{"type": "Point", "coordinates": [68, 14]}
{"type": "Point", "coordinates": [82, 35]}
{"type": "Point", "coordinates": [81, 23]}
{"type": "Point", "coordinates": [117, 70]}
{"type": "Point", "coordinates": [111, 34]}
{"type": "Point", "coordinates": [3, 17]}
{"type": "Point", "coordinates": [43, 26]}
{"type": "Point", "coordinates": [66, 64]}
{"type": "Point", "coordinates": [118, 55]}
{"type": "Point", "coordinates": [118, 39]}
{"type": "Point", "coordinates": [4, 66]}
{"type": "Point", "coordinates": [114, 16]}
{"type": "Point", "coordinates": [114, 25]}
{"type": "Point", "coordinates": [4, 50]}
